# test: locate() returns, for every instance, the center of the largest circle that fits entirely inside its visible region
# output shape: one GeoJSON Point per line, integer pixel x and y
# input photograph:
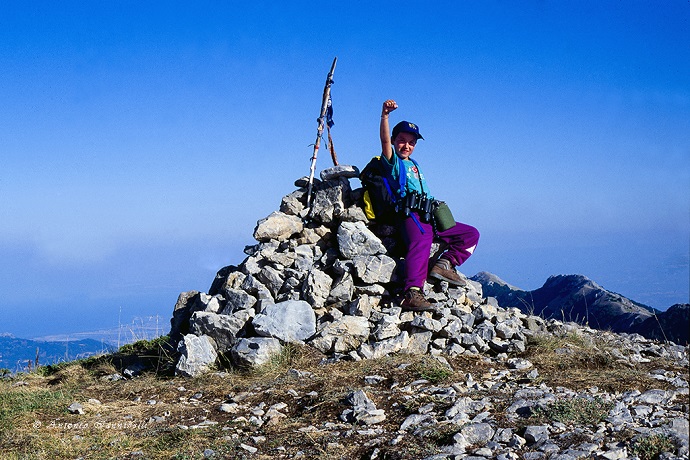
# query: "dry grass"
{"type": "Point", "coordinates": [34, 422]}
{"type": "Point", "coordinates": [581, 362]}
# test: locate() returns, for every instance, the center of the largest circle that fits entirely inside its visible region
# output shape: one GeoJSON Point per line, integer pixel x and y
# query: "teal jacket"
{"type": "Point", "coordinates": [414, 178]}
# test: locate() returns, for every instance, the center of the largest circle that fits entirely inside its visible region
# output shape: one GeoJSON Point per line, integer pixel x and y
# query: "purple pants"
{"type": "Point", "coordinates": [461, 241]}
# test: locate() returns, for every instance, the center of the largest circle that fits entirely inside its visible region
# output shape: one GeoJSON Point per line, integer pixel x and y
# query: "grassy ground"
{"type": "Point", "coordinates": [151, 416]}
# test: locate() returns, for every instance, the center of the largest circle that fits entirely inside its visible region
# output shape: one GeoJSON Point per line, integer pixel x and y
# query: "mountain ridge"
{"type": "Point", "coordinates": [19, 355]}
{"type": "Point", "coordinates": [579, 299]}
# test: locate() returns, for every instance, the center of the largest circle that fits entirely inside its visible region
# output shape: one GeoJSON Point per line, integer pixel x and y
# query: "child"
{"type": "Point", "coordinates": [461, 240]}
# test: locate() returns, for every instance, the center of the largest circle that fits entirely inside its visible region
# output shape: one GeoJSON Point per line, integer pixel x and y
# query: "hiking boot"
{"type": "Point", "coordinates": [444, 271]}
{"type": "Point", "coordinates": [414, 301]}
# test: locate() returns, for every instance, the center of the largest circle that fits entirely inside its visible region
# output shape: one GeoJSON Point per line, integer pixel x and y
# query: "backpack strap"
{"type": "Point", "coordinates": [403, 186]}
{"type": "Point", "coordinates": [419, 172]}
{"type": "Point", "coordinates": [416, 221]}
{"type": "Point", "coordinates": [402, 177]}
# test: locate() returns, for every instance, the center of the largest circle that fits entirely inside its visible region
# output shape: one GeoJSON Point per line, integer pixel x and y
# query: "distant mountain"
{"type": "Point", "coordinates": [16, 354]}
{"type": "Point", "coordinates": [668, 325]}
{"type": "Point", "coordinates": [140, 328]}
{"type": "Point", "coordinates": [19, 355]}
{"type": "Point", "coordinates": [579, 299]}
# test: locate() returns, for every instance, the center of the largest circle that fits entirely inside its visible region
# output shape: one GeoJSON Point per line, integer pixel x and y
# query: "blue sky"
{"type": "Point", "coordinates": [141, 141]}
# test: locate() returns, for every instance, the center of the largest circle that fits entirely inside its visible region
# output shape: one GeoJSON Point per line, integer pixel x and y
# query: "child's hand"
{"type": "Point", "coordinates": [389, 106]}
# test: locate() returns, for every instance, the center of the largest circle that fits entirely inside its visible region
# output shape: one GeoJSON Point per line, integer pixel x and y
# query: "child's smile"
{"type": "Point", "coordinates": [404, 144]}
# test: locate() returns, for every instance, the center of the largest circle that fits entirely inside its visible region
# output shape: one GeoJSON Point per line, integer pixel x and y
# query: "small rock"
{"type": "Point", "coordinates": [229, 408]}
{"type": "Point", "coordinates": [535, 434]}
{"type": "Point", "coordinates": [518, 364]}
{"type": "Point", "coordinates": [250, 449]}
{"type": "Point", "coordinates": [373, 379]}
{"type": "Point", "coordinates": [76, 408]}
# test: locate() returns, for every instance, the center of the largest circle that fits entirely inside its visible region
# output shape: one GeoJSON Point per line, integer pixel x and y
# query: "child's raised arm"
{"type": "Point", "coordinates": [386, 146]}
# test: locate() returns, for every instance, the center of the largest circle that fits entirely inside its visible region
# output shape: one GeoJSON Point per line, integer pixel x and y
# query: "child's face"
{"type": "Point", "coordinates": [404, 144]}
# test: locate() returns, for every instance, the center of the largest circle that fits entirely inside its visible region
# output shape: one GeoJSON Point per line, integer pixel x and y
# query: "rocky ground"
{"type": "Point", "coordinates": [573, 393]}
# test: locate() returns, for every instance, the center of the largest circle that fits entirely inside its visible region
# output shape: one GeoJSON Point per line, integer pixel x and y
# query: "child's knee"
{"type": "Point", "coordinates": [475, 235]}
{"type": "Point", "coordinates": [471, 236]}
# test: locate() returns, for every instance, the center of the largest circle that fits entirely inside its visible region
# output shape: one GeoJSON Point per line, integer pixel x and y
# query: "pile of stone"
{"type": "Point", "coordinates": [327, 277]}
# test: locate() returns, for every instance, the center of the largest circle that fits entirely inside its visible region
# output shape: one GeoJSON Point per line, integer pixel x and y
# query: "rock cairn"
{"type": "Point", "coordinates": [330, 283]}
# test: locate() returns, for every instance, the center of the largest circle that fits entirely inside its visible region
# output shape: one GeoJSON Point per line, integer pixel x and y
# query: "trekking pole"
{"type": "Point", "coordinates": [325, 101]}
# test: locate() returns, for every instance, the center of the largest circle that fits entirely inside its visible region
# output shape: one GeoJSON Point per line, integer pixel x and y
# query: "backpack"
{"type": "Point", "coordinates": [381, 193]}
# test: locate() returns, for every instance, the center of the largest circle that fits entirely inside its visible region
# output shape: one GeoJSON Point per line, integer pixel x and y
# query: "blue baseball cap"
{"type": "Point", "coordinates": [406, 127]}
